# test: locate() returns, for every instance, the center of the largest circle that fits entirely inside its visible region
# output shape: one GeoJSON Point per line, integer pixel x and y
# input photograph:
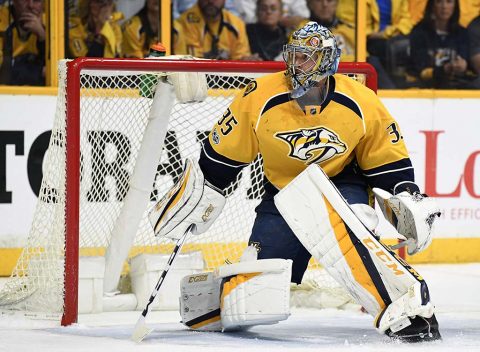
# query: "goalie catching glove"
{"type": "Point", "coordinates": [191, 200]}
{"type": "Point", "coordinates": [412, 214]}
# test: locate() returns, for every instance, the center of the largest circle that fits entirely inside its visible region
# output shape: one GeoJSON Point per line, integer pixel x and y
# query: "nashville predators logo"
{"type": "Point", "coordinates": [313, 145]}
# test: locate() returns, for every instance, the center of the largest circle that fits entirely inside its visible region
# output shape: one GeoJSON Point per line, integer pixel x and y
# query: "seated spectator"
{"type": "Point", "coordinates": [474, 40]}
{"type": "Point", "coordinates": [294, 12]}
{"type": "Point", "coordinates": [97, 33]}
{"type": "Point", "coordinates": [22, 43]}
{"type": "Point", "coordinates": [468, 10]}
{"type": "Point", "coordinates": [388, 23]}
{"type": "Point", "coordinates": [386, 19]}
{"type": "Point", "coordinates": [209, 31]}
{"type": "Point", "coordinates": [141, 31]}
{"type": "Point", "coordinates": [267, 37]}
{"type": "Point", "coordinates": [439, 47]}
{"type": "Point", "coordinates": [180, 6]}
{"type": "Point", "coordinates": [324, 13]}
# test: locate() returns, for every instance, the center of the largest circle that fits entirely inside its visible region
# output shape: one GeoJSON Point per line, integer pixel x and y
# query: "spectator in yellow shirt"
{"type": "Point", "coordinates": [388, 24]}
{"type": "Point", "coordinates": [324, 12]}
{"type": "Point", "coordinates": [207, 30]}
{"type": "Point", "coordinates": [22, 43]}
{"type": "Point", "coordinates": [399, 22]}
{"type": "Point", "coordinates": [141, 31]}
{"type": "Point", "coordinates": [97, 34]}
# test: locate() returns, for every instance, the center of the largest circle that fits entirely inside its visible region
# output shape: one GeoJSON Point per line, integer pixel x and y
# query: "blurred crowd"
{"type": "Point", "coordinates": [411, 43]}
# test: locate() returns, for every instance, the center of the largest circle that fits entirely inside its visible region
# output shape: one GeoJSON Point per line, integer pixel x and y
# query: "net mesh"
{"type": "Point", "coordinates": [114, 111]}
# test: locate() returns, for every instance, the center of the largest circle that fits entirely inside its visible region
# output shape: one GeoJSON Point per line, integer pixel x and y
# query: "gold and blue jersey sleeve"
{"type": "Point", "coordinates": [233, 135]}
{"type": "Point", "coordinates": [133, 44]}
{"type": "Point", "coordinates": [192, 36]}
{"type": "Point", "coordinates": [232, 143]}
{"type": "Point", "coordinates": [382, 153]}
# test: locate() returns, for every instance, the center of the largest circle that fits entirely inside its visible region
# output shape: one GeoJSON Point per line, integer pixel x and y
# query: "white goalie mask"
{"type": "Point", "coordinates": [311, 55]}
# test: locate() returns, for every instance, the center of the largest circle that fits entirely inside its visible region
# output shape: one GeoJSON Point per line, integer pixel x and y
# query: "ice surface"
{"type": "Point", "coordinates": [455, 290]}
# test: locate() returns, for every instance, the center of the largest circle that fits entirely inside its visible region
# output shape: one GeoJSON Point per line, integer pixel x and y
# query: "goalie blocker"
{"type": "Point", "coordinates": [386, 286]}
{"type": "Point", "coordinates": [190, 201]}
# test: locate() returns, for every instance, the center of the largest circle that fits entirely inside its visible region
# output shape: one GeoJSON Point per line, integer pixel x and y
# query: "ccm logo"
{"type": "Point", "coordinates": [207, 213]}
{"type": "Point", "coordinates": [382, 254]}
{"type": "Point", "coordinates": [197, 278]}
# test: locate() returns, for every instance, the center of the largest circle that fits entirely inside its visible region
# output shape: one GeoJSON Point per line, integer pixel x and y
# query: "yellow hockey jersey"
{"type": "Point", "coordinates": [225, 39]}
{"type": "Point", "coordinates": [79, 36]}
{"type": "Point", "coordinates": [138, 36]}
{"type": "Point", "coordinates": [401, 21]}
{"type": "Point", "coordinates": [20, 46]}
{"type": "Point", "coordinates": [352, 126]}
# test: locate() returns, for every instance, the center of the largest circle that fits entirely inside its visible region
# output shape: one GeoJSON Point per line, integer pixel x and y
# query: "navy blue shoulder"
{"type": "Point", "coordinates": [219, 170]}
{"type": "Point", "coordinates": [345, 100]}
{"type": "Point", "coordinates": [276, 100]}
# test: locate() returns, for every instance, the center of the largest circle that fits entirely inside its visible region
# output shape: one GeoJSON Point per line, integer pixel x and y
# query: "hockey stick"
{"type": "Point", "coordinates": [141, 329]}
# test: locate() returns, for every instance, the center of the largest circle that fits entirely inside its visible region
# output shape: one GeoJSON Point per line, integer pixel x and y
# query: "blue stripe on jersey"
{"type": "Point", "coordinates": [217, 169]}
{"type": "Point", "coordinates": [347, 102]}
{"type": "Point", "coordinates": [388, 175]}
{"type": "Point", "coordinates": [276, 100]}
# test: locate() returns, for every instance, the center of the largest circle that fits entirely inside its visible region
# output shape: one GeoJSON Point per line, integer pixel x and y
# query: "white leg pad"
{"type": "Point", "coordinates": [255, 293]}
{"type": "Point", "coordinates": [395, 316]}
{"type": "Point", "coordinates": [237, 296]}
{"type": "Point", "coordinates": [200, 302]}
{"type": "Point", "coordinates": [304, 205]}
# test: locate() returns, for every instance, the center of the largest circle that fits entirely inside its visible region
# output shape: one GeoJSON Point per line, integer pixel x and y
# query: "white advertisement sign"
{"type": "Point", "coordinates": [442, 138]}
{"type": "Point", "coordinates": [25, 123]}
{"type": "Point", "coordinates": [441, 135]}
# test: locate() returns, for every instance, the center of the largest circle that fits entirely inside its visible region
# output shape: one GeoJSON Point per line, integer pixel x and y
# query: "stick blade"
{"type": "Point", "coordinates": [141, 330]}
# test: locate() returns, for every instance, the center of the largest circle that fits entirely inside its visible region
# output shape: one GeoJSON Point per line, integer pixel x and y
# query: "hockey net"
{"type": "Point", "coordinates": [101, 119]}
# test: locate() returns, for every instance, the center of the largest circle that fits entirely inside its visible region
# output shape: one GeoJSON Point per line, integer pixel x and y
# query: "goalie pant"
{"type": "Point", "coordinates": [389, 289]}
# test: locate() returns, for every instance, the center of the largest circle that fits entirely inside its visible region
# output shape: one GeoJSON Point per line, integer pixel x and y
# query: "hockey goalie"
{"type": "Point", "coordinates": [328, 145]}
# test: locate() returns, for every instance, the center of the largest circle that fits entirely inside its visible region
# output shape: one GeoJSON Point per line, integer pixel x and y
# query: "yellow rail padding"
{"type": "Point", "coordinates": [448, 250]}
{"type": "Point", "coordinates": [8, 259]}
{"type": "Point", "coordinates": [442, 250]}
{"type": "Point", "coordinates": [417, 93]}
